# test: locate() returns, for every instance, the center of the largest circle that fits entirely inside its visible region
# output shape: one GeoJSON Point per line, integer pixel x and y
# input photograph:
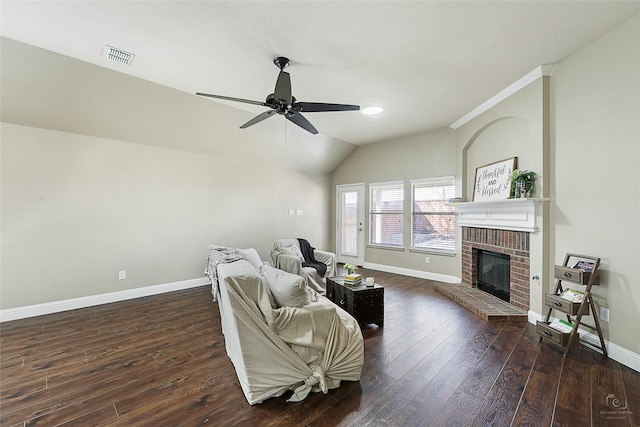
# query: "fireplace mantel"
{"type": "Point", "coordinates": [508, 214]}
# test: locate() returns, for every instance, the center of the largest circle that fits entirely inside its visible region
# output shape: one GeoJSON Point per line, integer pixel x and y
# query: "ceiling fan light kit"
{"type": "Point", "coordinates": [282, 102]}
{"type": "Point", "coordinates": [373, 110]}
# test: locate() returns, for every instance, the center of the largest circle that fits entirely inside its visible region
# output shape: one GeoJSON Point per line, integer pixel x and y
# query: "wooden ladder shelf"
{"type": "Point", "coordinates": [584, 271]}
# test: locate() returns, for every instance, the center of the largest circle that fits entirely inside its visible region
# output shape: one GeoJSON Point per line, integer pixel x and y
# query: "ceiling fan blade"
{"type": "Point", "coordinates": [282, 92]}
{"type": "Point", "coordinates": [258, 118]}
{"type": "Point", "coordinates": [312, 107]}
{"type": "Point", "coordinates": [228, 98]}
{"type": "Point", "coordinates": [299, 119]}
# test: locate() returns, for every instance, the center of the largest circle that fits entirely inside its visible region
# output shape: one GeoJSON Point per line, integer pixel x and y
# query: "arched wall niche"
{"type": "Point", "coordinates": [497, 140]}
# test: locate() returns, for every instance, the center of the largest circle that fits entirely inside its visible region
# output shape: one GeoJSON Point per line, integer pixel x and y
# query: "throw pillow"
{"type": "Point", "coordinates": [287, 289]}
{"type": "Point", "coordinates": [298, 253]}
{"type": "Point", "coordinates": [251, 255]}
{"type": "Point", "coordinates": [293, 251]}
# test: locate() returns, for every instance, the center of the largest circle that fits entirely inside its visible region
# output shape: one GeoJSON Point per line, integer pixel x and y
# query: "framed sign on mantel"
{"type": "Point", "coordinates": [492, 181]}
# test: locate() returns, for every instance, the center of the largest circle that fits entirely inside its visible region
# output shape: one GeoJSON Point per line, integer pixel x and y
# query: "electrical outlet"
{"type": "Point", "coordinates": [604, 314]}
{"type": "Point", "coordinates": [122, 275]}
{"type": "Point", "coordinates": [299, 212]}
{"type": "Point", "coordinates": [427, 260]}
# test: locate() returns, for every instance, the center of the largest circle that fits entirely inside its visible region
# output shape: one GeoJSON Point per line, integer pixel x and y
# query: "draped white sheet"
{"type": "Point", "coordinates": [293, 265]}
{"type": "Point", "coordinates": [311, 348]}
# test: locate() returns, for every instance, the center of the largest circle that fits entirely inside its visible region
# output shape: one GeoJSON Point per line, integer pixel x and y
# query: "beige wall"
{"type": "Point", "coordinates": [512, 128]}
{"type": "Point", "coordinates": [426, 155]}
{"type": "Point", "coordinates": [79, 204]}
{"type": "Point", "coordinates": [596, 157]}
{"type": "Point", "coordinates": [77, 209]}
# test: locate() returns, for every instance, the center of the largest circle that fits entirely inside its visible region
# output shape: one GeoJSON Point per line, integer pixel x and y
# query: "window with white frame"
{"type": "Point", "coordinates": [433, 219]}
{"type": "Point", "coordinates": [386, 211]}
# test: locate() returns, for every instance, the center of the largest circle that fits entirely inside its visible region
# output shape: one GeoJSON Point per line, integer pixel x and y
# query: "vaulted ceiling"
{"type": "Point", "coordinates": [427, 63]}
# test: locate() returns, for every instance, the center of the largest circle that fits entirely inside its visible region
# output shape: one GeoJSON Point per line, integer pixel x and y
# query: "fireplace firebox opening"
{"type": "Point", "coordinates": [493, 273]}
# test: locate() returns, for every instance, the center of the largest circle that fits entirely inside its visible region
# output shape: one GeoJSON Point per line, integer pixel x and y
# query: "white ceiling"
{"type": "Point", "coordinates": [427, 62]}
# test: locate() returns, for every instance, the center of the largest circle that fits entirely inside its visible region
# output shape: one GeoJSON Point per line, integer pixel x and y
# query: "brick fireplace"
{"type": "Point", "coordinates": [509, 242]}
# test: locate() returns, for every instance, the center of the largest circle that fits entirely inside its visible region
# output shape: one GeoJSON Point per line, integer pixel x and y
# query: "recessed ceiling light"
{"type": "Point", "coordinates": [372, 111]}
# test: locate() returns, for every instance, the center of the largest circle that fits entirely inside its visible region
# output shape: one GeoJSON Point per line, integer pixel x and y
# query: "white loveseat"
{"type": "Point", "coordinates": [281, 336]}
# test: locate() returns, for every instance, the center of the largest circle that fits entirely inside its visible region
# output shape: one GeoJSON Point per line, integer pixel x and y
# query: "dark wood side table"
{"type": "Point", "coordinates": [363, 302]}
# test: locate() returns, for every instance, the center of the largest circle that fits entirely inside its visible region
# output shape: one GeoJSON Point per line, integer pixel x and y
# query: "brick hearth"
{"type": "Point", "coordinates": [481, 303]}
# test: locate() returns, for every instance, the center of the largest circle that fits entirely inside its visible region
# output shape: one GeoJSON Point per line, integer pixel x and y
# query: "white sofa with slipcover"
{"type": "Point", "coordinates": [280, 334]}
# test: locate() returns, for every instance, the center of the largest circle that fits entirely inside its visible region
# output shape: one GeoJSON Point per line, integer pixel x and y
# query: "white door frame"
{"type": "Point", "coordinates": [356, 257]}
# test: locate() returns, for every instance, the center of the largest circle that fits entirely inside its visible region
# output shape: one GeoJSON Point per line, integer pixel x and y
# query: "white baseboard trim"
{"type": "Point", "coordinates": [91, 300]}
{"type": "Point", "coordinates": [616, 352]}
{"type": "Point", "coordinates": [413, 273]}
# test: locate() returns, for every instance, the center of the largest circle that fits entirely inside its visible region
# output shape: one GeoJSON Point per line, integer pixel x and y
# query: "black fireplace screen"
{"type": "Point", "coordinates": [493, 273]}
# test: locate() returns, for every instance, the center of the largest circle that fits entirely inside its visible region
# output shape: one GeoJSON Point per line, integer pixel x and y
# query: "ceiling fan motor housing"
{"type": "Point", "coordinates": [281, 108]}
{"type": "Point", "coordinates": [281, 62]}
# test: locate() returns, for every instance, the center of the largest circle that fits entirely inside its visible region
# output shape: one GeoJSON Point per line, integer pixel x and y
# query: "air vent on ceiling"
{"type": "Point", "coordinates": [117, 55]}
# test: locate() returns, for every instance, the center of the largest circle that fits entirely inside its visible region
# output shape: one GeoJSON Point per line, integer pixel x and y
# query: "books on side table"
{"type": "Point", "coordinates": [353, 279]}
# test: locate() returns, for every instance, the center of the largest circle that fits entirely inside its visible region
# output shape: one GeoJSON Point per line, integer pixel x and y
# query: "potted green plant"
{"type": "Point", "coordinates": [350, 268]}
{"type": "Point", "coordinates": [522, 183]}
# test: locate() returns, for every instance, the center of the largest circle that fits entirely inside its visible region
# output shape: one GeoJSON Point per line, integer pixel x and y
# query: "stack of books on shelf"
{"type": "Point", "coordinates": [353, 279]}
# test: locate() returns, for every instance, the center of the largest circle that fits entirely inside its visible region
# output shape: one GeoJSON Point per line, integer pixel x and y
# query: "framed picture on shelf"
{"type": "Point", "coordinates": [492, 181]}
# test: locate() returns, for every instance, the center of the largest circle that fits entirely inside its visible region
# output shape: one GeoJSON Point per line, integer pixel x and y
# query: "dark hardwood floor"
{"type": "Point", "coordinates": [161, 361]}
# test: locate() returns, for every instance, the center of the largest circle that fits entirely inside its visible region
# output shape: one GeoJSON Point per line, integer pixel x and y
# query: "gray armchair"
{"type": "Point", "coordinates": [286, 255]}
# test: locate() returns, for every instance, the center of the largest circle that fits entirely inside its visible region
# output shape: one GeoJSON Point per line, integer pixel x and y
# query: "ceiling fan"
{"type": "Point", "coordinates": [282, 102]}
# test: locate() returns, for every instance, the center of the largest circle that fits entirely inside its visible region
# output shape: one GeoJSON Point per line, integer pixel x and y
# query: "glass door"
{"type": "Point", "coordinates": [350, 224]}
